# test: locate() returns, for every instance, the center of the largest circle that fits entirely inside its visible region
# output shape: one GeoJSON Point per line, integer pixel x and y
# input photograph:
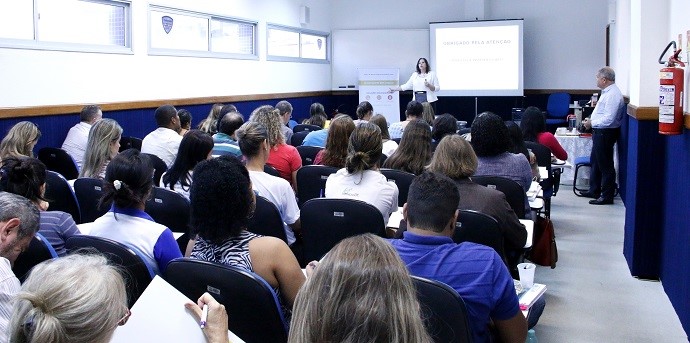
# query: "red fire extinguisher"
{"type": "Point", "coordinates": [671, 81]}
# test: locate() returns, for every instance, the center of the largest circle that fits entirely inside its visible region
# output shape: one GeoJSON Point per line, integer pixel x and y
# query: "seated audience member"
{"type": "Point", "coordinates": [103, 145]}
{"type": "Point", "coordinates": [342, 301]}
{"type": "Point", "coordinates": [284, 158]}
{"type": "Point", "coordinates": [210, 123]}
{"type": "Point", "coordinates": [225, 141]}
{"type": "Point", "coordinates": [364, 112]}
{"type": "Point", "coordinates": [444, 125]}
{"type": "Point", "coordinates": [128, 184]}
{"type": "Point", "coordinates": [413, 112]}
{"type": "Point", "coordinates": [63, 300]}
{"type": "Point", "coordinates": [27, 177]}
{"type": "Point", "coordinates": [491, 142]}
{"type": "Point", "coordinates": [414, 151]}
{"type": "Point", "coordinates": [19, 223]}
{"type": "Point", "coordinates": [428, 114]}
{"type": "Point", "coordinates": [165, 140]}
{"type": "Point", "coordinates": [517, 146]}
{"type": "Point", "coordinates": [185, 121]}
{"type": "Point", "coordinates": [222, 202]}
{"type": "Point", "coordinates": [253, 138]}
{"type": "Point", "coordinates": [475, 271]}
{"type": "Point", "coordinates": [20, 140]}
{"type": "Point", "coordinates": [285, 109]}
{"type": "Point", "coordinates": [455, 158]}
{"type": "Point", "coordinates": [317, 115]}
{"type": "Point", "coordinates": [389, 145]}
{"type": "Point", "coordinates": [533, 127]}
{"type": "Point", "coordinates": [361, 179]}
{"type": "Point", "coordinates": [76, 141]}
{"type": "Point", "coordinates": [336, 144]}
{"type": "Point", "coordinates": [195, 147]}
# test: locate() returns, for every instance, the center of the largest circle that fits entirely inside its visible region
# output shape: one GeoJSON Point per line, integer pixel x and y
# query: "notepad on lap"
{"type": "Point", "coordinates": [159, 315]}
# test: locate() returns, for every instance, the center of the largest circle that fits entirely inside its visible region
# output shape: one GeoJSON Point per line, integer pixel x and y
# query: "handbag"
{"type": "Point", "coordinates": [544, 251]}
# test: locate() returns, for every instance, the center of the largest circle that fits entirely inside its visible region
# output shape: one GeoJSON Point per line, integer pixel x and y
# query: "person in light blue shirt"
{"type": "Point", "coordinates": [225, 142]}
{"type": "Point", "coordinates": [605, 123]}
{"type": "Point", "coordinates": [316, 138]}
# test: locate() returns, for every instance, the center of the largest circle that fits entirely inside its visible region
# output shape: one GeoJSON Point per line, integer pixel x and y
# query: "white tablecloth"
{"type": "Point", "coordinates": [577, 146]}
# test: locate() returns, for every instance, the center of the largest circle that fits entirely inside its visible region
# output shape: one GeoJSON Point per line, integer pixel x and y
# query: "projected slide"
{"type": "Point", "coordinates": [478, 58]}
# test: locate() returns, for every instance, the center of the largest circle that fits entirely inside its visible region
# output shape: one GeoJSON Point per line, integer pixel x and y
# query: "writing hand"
{"type": "Point", "coordinates": [216, 329]}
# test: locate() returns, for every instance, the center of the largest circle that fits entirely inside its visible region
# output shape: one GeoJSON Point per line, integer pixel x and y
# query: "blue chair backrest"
{"type": "Point", "coordinates": [558, 105]}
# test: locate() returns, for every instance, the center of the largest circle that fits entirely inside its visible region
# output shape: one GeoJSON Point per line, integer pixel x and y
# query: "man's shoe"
{"type": "Point", "coordinates": [590, 195]}
{"type": "Point", "coordinates": [601, 201]}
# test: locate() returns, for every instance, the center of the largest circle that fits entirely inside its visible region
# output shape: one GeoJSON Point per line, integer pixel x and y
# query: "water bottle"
{"type": "Point", "coordinates": [531, 336]}
{"type": "Point", "coordinates": [572, 122]}
{"type": "Point", "coordinates": [595, 98]}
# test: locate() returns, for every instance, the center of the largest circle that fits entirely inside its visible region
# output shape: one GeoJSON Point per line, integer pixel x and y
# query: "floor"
{"type": "Point", "coordinates": [591, 296]}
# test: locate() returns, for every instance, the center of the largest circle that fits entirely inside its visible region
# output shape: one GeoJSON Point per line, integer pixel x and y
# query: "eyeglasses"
{"type": "Point", "coordinates": [124, 319]}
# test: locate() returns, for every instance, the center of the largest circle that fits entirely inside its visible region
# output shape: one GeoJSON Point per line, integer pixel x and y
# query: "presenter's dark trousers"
{"type": "Point", "coordinates": [603, 174]}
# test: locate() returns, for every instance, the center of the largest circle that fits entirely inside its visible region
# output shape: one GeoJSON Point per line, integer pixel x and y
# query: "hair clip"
{"type": "Point", "coordinates": [117, 184]}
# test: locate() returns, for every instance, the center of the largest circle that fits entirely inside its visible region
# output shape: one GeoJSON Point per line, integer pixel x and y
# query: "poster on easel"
{"type": "Point", "coordinates": [374, 87]}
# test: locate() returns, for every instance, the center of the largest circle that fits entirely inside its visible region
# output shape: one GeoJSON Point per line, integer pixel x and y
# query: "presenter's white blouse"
{"type": "Point", "coordinates": [416, 83]}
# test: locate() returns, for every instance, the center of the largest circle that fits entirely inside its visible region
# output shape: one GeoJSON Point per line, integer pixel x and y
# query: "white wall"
{"type": "Point", "coordinates": [34, 77]}
{"type": "Point", "coordinates": [564, 40]}
{"type": "Point", "coordinates": [679, 23]}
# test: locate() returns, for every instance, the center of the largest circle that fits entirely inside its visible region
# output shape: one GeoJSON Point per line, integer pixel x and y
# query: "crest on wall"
{"type": "Point", "coordinates": [167, 23]}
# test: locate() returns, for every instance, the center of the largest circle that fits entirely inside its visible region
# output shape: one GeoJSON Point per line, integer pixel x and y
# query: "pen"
{"type": "Point", "coordinates": [204, 316]}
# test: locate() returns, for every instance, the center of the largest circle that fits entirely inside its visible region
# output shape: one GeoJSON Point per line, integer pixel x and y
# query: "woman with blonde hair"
{"type": "Point", "coordinates": [210, 124]}
{"type": "Point", "coordinates": [336, 143]}
{"type": "Point", "coordinates": [389, 145]}
{"type": "Point", "coordinates": [428, 113]}
{"type": "Point", "coordinates": [361, 179]}
{"type": "Point", "coordinates": [414, 151]}
{"type": "Point", "coordinates": [103, 144]}
{"type": "Point", "coordinates": [284, 158]}
{"type": "Point", "coordinates": [20, 140]}
{"type": "Point", "coordinates": [342, 300]}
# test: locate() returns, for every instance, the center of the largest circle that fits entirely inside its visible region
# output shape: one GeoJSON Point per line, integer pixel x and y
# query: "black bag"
{"type": "Point", "coordinates": [544, 251]}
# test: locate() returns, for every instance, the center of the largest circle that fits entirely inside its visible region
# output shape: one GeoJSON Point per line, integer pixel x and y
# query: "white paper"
{"type": "Point", "coordinates": [159, 315]}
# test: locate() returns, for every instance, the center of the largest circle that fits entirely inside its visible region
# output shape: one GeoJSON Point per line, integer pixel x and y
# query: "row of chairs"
{"type": "Point", "coordinates": [253, 308]}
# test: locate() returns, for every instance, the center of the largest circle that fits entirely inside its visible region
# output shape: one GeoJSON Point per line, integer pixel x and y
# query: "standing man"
{"type": "Point", "coordinates": [78, 135]}
{"type": "Point", "coordinates": [605, 123]}
{"type": "Point", "coordinates": [18, 224]}
{"type": "Point", "coordinates": [165, 140]}
{"type": "Point", "coordinates": [285, 109]}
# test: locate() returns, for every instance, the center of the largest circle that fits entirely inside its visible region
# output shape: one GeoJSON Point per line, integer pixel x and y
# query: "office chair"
{"type": "Point", "coordinates": [402, 179]}
{"type": "Point", "coordinates": [325, 222]}
{"type": "Point", "coordinates": [476, 227]}
{"type": "Point", "coordinates": [169, 208]}
{"type": "Point", "coordinates": [130, 143]}
{"type": "Point", "coordinates": [308, 154]}
{"type": "Point", "coordinates": [298, 137]}
{"type": "Point", "coordinates": [254, 312]}
{"type": "Point", "coordinates": [443, 311]}
{"type": "Point", "coordinates": [305, 127]}
{"type": "Point", "coordinates": [268, 169]}
{"type": "Point", "coordinates": [543, 155]}
{"type": "Point", "coordinates": [60, 196]}
{"type": "Point", "coordinates": [39, 250]}
{"type": "Point", "coordinates": [557, 108]}
{"type": "Point", "coordinates": [137, 273]}
{"type": "Point", "coordinates": [515, 194]}
{"type": "Point", "coordinates": [266, 220]}
{"type": "Point", "coordinates": [159, 168]}
{"type": "Point", "coordinates": [311, 182]}
{"type": "Point", "coordinates": [89, 192]}
{"type": "Point", "coordinates": [59, 161]}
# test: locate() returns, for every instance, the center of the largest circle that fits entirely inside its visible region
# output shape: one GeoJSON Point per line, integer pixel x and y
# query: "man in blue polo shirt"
{"type": "Point", "coordinates": [475, 271]}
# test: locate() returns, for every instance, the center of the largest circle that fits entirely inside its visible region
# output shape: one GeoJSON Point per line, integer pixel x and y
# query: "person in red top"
{"type": "Point", "coordinates": [533, 127]}
{"type": "Point", "coordinates": [284, 158]}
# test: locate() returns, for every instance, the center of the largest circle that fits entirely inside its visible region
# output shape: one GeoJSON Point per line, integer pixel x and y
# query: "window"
{"type": "Point", "coordinates": [100, 25]}
{"type": "Point", "coordinates": [185, 33]}
{"type": "Point", "coordinates": [292, 44]}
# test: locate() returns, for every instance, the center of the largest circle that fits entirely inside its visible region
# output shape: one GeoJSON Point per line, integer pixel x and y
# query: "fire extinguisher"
{"type": "Point", "coordinates": [671, 81]}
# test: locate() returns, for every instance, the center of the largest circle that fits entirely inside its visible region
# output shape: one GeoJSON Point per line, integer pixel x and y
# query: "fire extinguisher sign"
{"type": "Point", "coordinates": [666, 100]}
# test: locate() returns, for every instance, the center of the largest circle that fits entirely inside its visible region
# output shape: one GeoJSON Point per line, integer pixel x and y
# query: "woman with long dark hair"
{"type": "Point", "coordinates": [335, 153]}
{"type": "Point", "coordinates": [533, 127]}
{"type": "Point", "coordinates": [195, 147]}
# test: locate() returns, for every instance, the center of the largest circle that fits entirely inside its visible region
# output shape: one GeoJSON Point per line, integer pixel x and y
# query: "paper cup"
{"type": "Point", "coordinates": [526, 271]}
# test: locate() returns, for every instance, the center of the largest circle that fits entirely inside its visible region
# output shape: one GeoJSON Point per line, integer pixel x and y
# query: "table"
{"type": "Point", "coordinates": [577, 146]}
